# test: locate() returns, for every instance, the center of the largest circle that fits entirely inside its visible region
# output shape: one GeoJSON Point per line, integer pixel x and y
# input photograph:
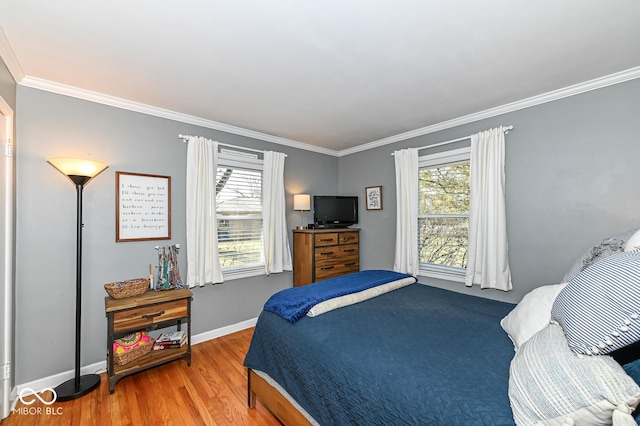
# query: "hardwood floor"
{"type": "Point", "coordinates": [213, 391]}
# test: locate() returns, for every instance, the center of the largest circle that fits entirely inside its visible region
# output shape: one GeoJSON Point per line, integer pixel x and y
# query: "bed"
{"type": "Point", "coordinates": [428, 356]}
{"type": "Point", "coordinates": [368, 363]}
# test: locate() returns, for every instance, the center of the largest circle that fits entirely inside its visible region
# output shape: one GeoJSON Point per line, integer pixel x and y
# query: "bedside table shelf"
{"type": "Point", "coordinates": [150, 311]}
{"type": "Point", "coordinates": [152, 359]}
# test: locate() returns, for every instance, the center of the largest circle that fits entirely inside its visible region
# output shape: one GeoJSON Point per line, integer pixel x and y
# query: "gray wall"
{"type": "Point", "coordinates": [55, 125]}
{"type": "Point", "coordinates": [572, 179]}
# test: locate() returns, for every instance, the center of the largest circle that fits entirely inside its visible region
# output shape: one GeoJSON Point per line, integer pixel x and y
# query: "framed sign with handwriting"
{"type": "Point", "coordinates": [143, 207]}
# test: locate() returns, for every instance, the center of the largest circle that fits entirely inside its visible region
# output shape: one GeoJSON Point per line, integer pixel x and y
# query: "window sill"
{"type": "Point", "coordinates": [443, 273]}
{"type": "Point", "coordinates": [238, 272]}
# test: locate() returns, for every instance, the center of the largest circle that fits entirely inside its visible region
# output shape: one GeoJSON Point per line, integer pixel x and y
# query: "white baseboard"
{"type": "Point", "coordinates": [223, 331]}
{"type": "Point", "coordinates": [100, 367]}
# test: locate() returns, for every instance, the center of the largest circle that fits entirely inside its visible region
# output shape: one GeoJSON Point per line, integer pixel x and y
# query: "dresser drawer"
{"type": "Point", "coordinates": [328, 239]}
{"type": "Point", "coordinates": [336, 252]}
{"type": "Point", "coordinates": [349, 237]}
{"type": "Point", "coordinates": [138, 318]}
{"type": "Point", "coordinates": [329, 270]}
{"type": "Point", "coordinates": [349, 250]}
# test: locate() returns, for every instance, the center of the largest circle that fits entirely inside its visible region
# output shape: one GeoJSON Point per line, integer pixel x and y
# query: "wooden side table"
{"type": "Point", "coordinates": [150, 311]}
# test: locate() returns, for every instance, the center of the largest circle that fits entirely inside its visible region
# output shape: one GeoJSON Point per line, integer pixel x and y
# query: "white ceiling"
{"type": "Point", "coordinates": [328, 73]}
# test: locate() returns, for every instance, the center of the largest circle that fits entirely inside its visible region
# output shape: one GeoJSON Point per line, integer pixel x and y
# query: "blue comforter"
{"type": "Point", "coordinates": [294, 303]}
{"type": "Point", "coordinates": [415, 356]}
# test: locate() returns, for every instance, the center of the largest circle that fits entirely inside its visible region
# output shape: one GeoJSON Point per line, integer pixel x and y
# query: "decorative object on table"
{"type": "Point", "coordinates": [150, 277]}
{"type": "Point", "coordinates": [131, 347]}
{"type": "Point", "coordinates": [80, 171]}
{"type": "Point", "coordinates": [143, 207]}
{"type": "Point", "coordinates": [168, 277]}
{"type": "Point", "coordinates": [128, 288]}
{"type": "Point", "coordinates": [302, 203]}
{"type": "Point", "coordinates": [374, 197]}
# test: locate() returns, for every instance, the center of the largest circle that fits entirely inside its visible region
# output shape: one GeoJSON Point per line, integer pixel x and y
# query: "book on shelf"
{"type": "Point", "coordinates": [176, 336]}
{"type": "Point", "coordinates": [159, 347]}
{"type": "Point", "coordinates": [170, 340]}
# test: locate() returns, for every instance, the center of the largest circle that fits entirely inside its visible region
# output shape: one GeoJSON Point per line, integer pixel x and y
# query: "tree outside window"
{"type": "Point", "coordinates": [443, 217]}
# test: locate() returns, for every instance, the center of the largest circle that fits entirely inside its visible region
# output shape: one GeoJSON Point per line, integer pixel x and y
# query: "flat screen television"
{"type": "Point", "coordinates": [335, 211]}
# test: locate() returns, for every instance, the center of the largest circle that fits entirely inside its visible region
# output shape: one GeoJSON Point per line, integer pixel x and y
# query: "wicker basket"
{"type": "Point", "coordinates": [134, 353]}
{"type": "Point", "coordinates": [129, 288]}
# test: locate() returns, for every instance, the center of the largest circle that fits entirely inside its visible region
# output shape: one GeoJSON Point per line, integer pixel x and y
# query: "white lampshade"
{"type": "Point", "coordinates": [302, 202]}
{"type": "Point", "coordinates": [79, 170]}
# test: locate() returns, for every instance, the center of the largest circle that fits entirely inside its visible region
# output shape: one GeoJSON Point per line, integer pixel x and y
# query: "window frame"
{"type": "Point", "coordinates": [247, 161]}
{"type": "Point", "coordinates": [451, 157]}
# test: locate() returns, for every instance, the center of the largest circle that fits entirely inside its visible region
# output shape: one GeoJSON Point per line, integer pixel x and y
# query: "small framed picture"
{"type": "Point", "coordinates": [374, 197]}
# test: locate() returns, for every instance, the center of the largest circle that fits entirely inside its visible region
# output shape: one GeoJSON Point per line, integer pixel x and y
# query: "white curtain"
{"type": "Point", "coordinates": [277, 254]}
{"type": "Point", "coordinates": [406, 256]}
{"type": "Point", "coordinates": [487, 257]}
{"type": "Point", "coordinates": [202, 237]}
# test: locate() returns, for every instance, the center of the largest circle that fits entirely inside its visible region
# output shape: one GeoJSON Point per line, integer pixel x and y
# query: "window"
{"type": "Point", "coordinates": [239, 213]}
{"type": "Point", "coordinates": [443, 216]}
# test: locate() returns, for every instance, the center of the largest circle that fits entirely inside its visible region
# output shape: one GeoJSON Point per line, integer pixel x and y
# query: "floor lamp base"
{"type": "Point", "coordinates": [68, 390]}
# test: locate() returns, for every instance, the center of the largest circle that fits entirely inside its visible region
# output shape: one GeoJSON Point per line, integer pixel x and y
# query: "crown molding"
{"type": "Point", "coordinates": [576, 89]}
{"type": "Point", "coordinates": [101, 98]}
{"type": "Point", "coordinates": [62, 89]}
{"type": "Point", "coordinates": [10, 59]}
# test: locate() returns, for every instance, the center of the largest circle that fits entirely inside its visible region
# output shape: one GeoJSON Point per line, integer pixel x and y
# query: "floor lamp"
{"type": "Point", "coordinates": [80, 171]}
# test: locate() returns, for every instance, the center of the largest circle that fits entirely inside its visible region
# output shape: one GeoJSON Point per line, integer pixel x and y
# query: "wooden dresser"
{"type": "Point", "coordinates": [319, 254]}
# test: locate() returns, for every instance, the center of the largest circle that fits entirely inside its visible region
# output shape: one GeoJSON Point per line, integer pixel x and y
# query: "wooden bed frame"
{"type": "Point", "coordinates": [278, 405]}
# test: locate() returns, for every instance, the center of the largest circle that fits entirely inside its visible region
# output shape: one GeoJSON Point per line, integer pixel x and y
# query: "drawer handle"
{"type": "Point", "coordinates": [350, 264]}
{"type": "Point", "coordinates": [348, 238]}
{"type": "Point", "coordinates": [349, 250]}
{"type": "Point", "coordinates": [325, 240]}
{"type": "Point", "coordinates": [149, 316]}
{"type": "Point", "coordinates": [326, 268]}
{"type": "Point", "coordinates": [326, 253]}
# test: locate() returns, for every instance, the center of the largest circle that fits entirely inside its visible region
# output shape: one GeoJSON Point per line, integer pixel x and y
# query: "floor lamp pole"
{"type": "Point", "coordinates": [79, 190]}
{"type": "Point", "coordinates": [79, 385]}
{"type": "Point", "coordinates": [79, 171]}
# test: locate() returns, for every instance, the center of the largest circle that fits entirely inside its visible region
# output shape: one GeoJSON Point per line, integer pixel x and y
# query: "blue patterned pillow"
{"type": "Point", "coordinates": [599, 309]}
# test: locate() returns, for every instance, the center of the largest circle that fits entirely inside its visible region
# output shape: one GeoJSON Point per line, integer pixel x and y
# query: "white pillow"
{"type": "Point", "coordinates": [532, 314]}
{"type": "Point", "coordinates": [549, 385]}
{"type": "Point", "coordinates": [633, 243]}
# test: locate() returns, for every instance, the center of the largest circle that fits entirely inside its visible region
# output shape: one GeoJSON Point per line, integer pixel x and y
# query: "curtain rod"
{"type": "Point", "coordinates": [186, 137]}
{"type": "Point", "coordinates": [507, 129]}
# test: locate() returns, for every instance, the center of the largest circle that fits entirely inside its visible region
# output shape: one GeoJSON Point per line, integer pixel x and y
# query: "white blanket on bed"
{"type": "Point", "coordinates": [350, 299]}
